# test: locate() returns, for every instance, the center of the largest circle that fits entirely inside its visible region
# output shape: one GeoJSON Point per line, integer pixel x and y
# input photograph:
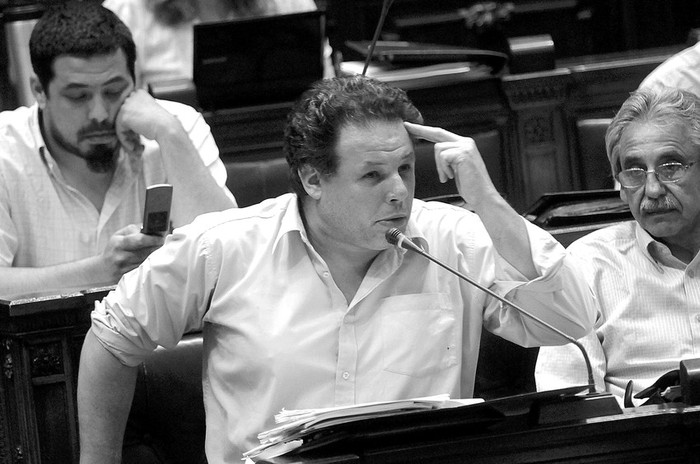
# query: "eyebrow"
{"type": "Point", "coordinates": [114, 80]}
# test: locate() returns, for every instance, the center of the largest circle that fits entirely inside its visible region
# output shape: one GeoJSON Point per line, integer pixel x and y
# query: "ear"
{"type": "Point", "coordinates": [311, 180]}
{"type": "Point", "coordinates": [38, 91]}
{"type": "Point", "coordinates": [623, 195]}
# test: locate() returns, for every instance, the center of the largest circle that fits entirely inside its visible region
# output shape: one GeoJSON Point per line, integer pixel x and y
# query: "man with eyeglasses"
{"type": "Point", "coordinates": [645, 274]}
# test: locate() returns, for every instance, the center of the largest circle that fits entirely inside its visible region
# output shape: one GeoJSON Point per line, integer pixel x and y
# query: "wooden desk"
{"type": "Point", "coordinates": [40, 341]}
{"type": "Point", "coordinates": [647, 434]}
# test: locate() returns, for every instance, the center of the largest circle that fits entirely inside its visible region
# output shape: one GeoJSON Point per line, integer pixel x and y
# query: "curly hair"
{"type": "Point", "coordinates": [177, 12]}
{"type": "Point", "coordinates": [314, 123]}
{"type": "Point", "coordinates": [77, 28]}
{"type": "Point", "coordinates": [665, 106]}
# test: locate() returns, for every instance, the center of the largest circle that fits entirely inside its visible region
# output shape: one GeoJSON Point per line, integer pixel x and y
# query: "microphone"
{"type": "Point", "coordinates": [544, 408]}
{"type": "Point", "coordinates": [377, 31]}
{"type": "Point", "coordinates": [395, 237]}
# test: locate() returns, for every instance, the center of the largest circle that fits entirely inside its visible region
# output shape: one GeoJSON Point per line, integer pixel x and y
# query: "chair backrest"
{"type": "Point", "coordinates": [167, 422]}
{"type": "Point", "coordinates": [253, 181]}
{"type": "Point", "coordinates": [593, 160]}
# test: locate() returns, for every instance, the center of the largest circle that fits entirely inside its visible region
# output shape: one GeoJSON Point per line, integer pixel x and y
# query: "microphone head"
{"type": "Point", "coordinates": [392, 235]}
{"type": "Point", "coordinates": [397, 238]}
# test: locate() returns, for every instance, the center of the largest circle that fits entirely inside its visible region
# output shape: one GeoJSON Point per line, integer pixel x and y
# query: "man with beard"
{"type": "Point", "coordinates": [644, 273]}
{"type": "Point", "coordinates": [74, 167]}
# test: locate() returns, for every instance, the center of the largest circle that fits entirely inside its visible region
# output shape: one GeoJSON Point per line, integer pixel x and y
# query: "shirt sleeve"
{"type": "Point", "coordinates": [155, 304]}
{"type": "Point", "coordinates": [8, 232]}
{"type": "Point", "coordinates": [564, 366]}
{"type": "Point", "coordinates": [559, 296]}
{"type": "Point", "coordinates": [200, 134]}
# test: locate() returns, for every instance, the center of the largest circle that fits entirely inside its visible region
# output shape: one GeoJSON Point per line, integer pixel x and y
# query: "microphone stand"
{"type": "Point", "coordinates": [377, 31]}
{"type": "Point", "coordinates": [609, 404]}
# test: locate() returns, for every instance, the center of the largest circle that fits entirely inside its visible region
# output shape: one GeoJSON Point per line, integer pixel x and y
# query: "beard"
{"type": "Point", "coordinates": [101, 158]}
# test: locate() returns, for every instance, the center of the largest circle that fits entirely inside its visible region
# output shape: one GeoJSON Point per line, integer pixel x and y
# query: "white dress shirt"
{"type": "Point", "coordinates": [279, 333]}
{"type": "Point", "coordinates": [44, 221]}
{"type": "Point", "coordinates": [682, 70]}
{"type": "Point", "coordinates": [648, 313]}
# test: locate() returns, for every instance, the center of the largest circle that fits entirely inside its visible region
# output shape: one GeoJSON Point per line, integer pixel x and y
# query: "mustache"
{"type": "Point", "coordinates": [95, 128]}
{"type": "Point", "coordinates": [656, 205]}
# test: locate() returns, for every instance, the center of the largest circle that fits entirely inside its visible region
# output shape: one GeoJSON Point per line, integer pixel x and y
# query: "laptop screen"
{"type": "Point", "coordinates": [258, 60]}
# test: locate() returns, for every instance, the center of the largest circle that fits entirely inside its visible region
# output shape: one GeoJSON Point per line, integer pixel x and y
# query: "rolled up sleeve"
{"type": "Point", "coordinates": [560, 295]}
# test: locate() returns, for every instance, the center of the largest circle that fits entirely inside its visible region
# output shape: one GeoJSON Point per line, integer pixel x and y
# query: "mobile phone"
{"type": "Point", "coordinates": [156, 212]}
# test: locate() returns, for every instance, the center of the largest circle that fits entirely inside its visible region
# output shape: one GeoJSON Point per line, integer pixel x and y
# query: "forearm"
{"type": "Point", "coordinates": [194, 189]}
{"type": "Point", "coordinates": [83, 273]}
{"type": "Point", "coordinates": [105, 393]}
{"type": "Point", "coordinates": [507, 231]}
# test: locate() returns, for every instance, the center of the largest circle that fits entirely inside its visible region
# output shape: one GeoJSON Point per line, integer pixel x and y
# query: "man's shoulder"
{"type": "Point", "coordinates": [260, 218]}
{"type": "Point", "coordinates": [19, 117]}
{"type": "Point", "coordinates": [18, 127]}
{"type": "Point", "coordinates": [613, 236]}
{"type": "Point", "coordinates": [444, 225]}
{"type": "Point", "coordinates": [439, 208]}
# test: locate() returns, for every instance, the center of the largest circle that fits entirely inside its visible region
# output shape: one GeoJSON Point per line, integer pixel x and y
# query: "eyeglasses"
{"type": "Point", "coordinates": [667, 173]}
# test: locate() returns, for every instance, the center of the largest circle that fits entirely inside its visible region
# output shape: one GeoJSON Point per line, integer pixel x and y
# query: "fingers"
{"type": "Point", "coordinates": [447, 157]}
{"type": "Point", "coordinates": [431, 134]}
{"type": "Point", "coordinates": [131, 141]}
{"type": "Point", "coordinates": [130, 239]}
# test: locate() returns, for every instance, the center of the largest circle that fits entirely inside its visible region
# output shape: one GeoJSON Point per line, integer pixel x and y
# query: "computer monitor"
{"type": "Point", "coordinates": [259, 60]}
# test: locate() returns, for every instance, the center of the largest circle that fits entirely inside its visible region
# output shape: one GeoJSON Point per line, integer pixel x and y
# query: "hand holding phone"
{"type": "Point", "coordinates": [156, 213]}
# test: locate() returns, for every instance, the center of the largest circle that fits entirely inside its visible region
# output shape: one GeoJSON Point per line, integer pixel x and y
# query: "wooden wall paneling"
{"type": "Point", "coordinates": [540, 139]}
{"type": "Point", "coordinates": [471, 109]}
{"type": "Point", "coordinates": [40, 342]}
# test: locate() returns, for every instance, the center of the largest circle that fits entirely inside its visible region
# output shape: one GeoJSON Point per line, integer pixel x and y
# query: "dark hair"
{"type": "Point", "coordinates": [314, 123]}
{"type": "Point", "coordinates": [663, 106]}
{"type": "Point", "coordinates": [77, 28]}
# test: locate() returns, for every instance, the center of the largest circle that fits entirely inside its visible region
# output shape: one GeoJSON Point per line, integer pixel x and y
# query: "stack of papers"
{"type": "Point", "coordinates": [295, 425]}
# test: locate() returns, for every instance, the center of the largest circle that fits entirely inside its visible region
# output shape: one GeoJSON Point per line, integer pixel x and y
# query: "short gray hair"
{"type": "Point", "coordinates": [662, 106]}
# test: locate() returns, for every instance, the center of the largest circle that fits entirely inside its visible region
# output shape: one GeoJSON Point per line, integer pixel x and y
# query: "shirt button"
{"type": "Point", "coordinates": [346, 375]}
{"type": "Point", "coordinates": [691, 274]}
{"type": "Point", "coordinates": [697, 318]}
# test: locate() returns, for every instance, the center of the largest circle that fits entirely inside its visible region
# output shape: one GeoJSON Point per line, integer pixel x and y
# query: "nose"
{"type": "Point", "coordinates": [398, 190]}
{"type": "Point", "coordinates": [99, 110]}
{"type": "Point", "coordinates": [652, 187]}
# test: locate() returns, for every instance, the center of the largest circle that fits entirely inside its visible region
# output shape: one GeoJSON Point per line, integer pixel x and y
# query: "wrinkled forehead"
{"type": "Point", "coordinates": [649, 139]}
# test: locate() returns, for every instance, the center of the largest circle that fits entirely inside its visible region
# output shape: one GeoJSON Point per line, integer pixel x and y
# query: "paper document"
{"type": "Point", "coordinates": [297, 424]}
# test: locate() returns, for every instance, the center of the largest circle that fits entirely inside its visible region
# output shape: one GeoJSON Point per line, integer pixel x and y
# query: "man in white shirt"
{"type": "Point", "coordinates": [302, 301]}
{"type": "Point", "coordinates": [643, 273]}
{"type": "Point", "coordinates": [163, 30]}
{"type": "Point", "coordinates": [74, 167]}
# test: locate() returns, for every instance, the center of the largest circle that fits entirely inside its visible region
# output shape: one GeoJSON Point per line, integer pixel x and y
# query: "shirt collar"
{"type": "Point", "coordinates": [414, 233]}
{"type": "Point", "coordinates": [658, 253]}
{"type": "Point", "coordinates": [292, 222]}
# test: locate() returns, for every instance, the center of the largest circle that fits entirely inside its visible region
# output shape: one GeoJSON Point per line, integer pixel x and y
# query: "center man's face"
{"type": "Point", "coordinates": [372, 189]}
{"type": "Point", "coordinates": [81, 105]}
